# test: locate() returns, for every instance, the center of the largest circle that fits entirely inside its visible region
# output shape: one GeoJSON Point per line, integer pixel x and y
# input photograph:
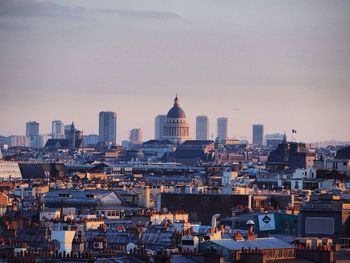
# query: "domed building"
{"type": "Point", "coordinates": [176, 129]}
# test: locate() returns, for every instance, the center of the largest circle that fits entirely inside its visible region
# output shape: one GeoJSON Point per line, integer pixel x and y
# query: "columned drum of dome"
{"type": "Point", "coordinates": [176, 129]}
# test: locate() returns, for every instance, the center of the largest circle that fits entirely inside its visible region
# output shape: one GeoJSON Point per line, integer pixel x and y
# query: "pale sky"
{"type": "Point", "coordinates": [285, 64]}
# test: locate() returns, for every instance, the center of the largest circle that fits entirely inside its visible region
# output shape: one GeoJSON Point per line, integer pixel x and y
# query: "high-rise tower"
{"type": "Point", "coordinates": [108, 127]}
{"type": "Point", "coordinates": [222, 127]}
{"type": "Point", "coordinates": [202, 128]}
{"type": "Point", "coordinates": [258, 134]}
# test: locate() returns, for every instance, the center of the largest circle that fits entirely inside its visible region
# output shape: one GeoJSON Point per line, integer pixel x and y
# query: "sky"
{"type": "Point", "coordinates": [285, 64]}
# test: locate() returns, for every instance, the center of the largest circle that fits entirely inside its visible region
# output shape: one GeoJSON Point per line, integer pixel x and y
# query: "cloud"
{"type": "Point", "coordinates": [151, 14]}
{"type": "Point", "coordinates": [34, 8]}
{"type": "Point", "coordinates": [28, 8]}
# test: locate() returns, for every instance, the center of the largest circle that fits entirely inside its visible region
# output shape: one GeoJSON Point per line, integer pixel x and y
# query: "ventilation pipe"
{"type": "Point", "coordinates": [213, 220]}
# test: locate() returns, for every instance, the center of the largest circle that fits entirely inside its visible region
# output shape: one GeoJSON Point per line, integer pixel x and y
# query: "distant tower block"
{"type": "Point", "coordinates": [202, 128]}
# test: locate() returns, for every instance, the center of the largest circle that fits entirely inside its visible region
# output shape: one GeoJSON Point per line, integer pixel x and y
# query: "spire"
{"type": "Point", "coordinates": [284, 138]}
{"type": "Point", "coordinates": [176, 100]}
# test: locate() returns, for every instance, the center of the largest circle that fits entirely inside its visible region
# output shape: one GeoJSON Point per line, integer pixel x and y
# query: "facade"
{"type": "Point", "coordinates": [9, 170]}
{"type": "Point", "coordinates": [32, 131]}
{"type": "Point", "coordinates": [91, 139]}
{"type": "Point", "coordinates": [343, 153]}
{"type": "Point", "coordinates": [324, 216]}
{"type": "Point", "coordinates": [67, 130]}
{"type": "Point", "coordinates": [42, 170]}
{"type": "Point", "coordinates": [222, 127]}
{"type": "Point", "coordinates": [125, 144]}
{"type": "Point", "coordinates": [5, 140]}
{"type": "Point", "coordinates": [108, 127]}
{"type": "Point", "coordinates": [157, 148]}
{"type": "Point", "coordinates": [339, 165]}
{"type": "Point", "coordinates": [258, 134]}
{"type": "Point", "coordinates": [202, 128]}
{"type": "Point", "coordinates": [176, 129]}
{"type": "Point", "coordinates": [135, 136]}
{"type": "Point", "coordinates": [57, 129]}
{"type": "Point", "coordinates": [273, 249]}
{"type": "Point", "coordinates": [291, 154]}
{"type": "Point", "coordinates": [22, 141]}
{"type": "Point", "coordinates": [73, 138]}
{"type": "Point", "coordinates": [272, 140]}
{"type": "Point", "coordinates": [93, 199]}
{"type": "Point", "coordinates": [201, 207]}
{"type": "Point", "coordinates": [192, 152]}
{"type": "Point", "coordinates": [159, 126]}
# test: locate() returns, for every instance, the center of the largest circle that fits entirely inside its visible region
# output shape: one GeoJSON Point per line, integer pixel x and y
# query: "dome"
{"type": "Point", "coordinates": [250, 222]}
{"type": "Point", "coordinates": [176, 112]}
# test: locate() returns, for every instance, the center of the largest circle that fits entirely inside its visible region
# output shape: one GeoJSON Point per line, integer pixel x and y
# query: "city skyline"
{"type": "Point", "coordinates": [285, 66]}
{"type": "Point", "coordinates": [212, 130]}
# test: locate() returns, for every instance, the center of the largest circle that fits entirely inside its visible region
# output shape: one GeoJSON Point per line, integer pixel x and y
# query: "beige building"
{"type": "Point", "coordinates": [9, 171]}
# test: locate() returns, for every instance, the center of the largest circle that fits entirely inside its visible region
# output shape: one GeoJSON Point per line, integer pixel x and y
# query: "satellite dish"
{"type": "Point", "coordinates": [55, 245]}
{"type": "Point", "coordinates": [130, 247]}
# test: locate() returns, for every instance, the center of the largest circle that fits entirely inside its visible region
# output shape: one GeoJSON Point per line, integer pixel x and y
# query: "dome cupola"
{"type": "Point", "coordinates": [176, 112]}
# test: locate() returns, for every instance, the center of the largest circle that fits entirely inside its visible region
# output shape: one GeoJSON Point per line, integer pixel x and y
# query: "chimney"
{"type": "Point", "coordinates": [250, 235]}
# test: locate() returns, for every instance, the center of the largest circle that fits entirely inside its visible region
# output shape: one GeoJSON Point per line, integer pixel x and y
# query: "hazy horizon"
{"type": "Point", "coordinates": [284, 64]}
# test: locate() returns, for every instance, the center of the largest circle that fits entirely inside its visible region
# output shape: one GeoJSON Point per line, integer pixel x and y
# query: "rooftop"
{"type": "Point", "coordinates": [260, 243]}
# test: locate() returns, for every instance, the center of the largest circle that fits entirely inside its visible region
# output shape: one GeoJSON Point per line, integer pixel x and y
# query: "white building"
{"type": "Point", "coordinates": [22, 141]}
{"type": "Point", "coordinates": [297, 180]}
{"type": "Point", "coordinates": [9, 170]}
{"type": "Point", "coordinates": [159, 126]}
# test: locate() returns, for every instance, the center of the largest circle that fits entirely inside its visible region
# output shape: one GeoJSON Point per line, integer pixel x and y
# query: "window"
{"type": "Point", "coordinates": [319, 225]}
{"type": "Point", "coordinates": [187, 242]}
{"type": "Point", "coordinates": [65, 195]}
{"type": "Point", "coordinates": [90, 196]}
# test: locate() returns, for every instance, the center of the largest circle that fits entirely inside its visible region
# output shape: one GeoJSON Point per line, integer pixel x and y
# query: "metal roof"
{"type": "Point", "coordinates": [82, 197]}
{"type": "Point", "coordinates": [176, 113]}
